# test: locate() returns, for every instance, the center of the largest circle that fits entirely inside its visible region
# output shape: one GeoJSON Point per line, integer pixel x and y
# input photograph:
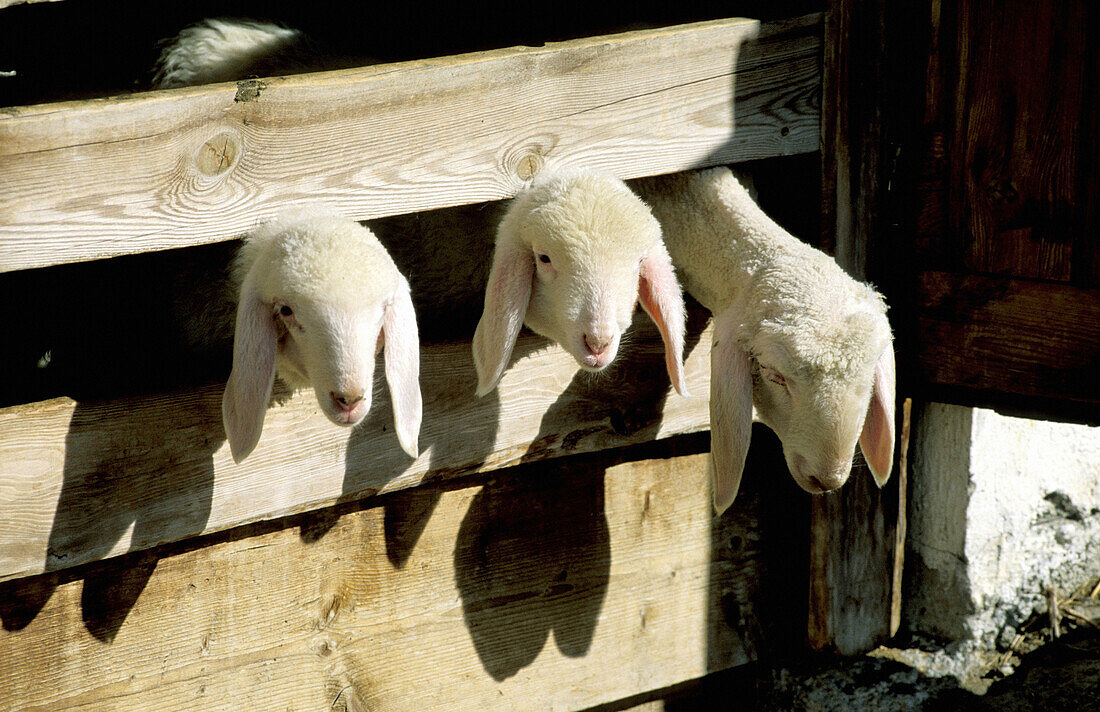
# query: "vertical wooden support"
{"type": "Point", "coordinates": [901, 477]}
{"type": "Point", "coordinates": [854, 547]}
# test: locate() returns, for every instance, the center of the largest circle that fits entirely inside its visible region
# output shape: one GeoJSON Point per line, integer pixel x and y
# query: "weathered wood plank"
{"type": "Point", "coordinates": [1016, 144]}
{"type": "Point", "coordinates": [87, 180]}
{"type": "Point", "coordinates": [86, 480]}
{"type": "Point", "coordinates": [1007, 162]}
{"type": "Point", "coordinates": [1007, 187]}
{"type": "Point", "coordinates": [10, 3]}
{"type": "Point", "coordinates": [852, 547]}
{"type": "Point", "coordinates": [901, 528]}
{"type": "Point", "coordinates": [555, 586]}
{"type": "Point", "coordinates": [851, 558]}
{"type": "Point", "coordinates": [1010, 336]}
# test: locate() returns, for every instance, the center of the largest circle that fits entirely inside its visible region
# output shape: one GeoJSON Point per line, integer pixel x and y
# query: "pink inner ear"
{"type": "Point", "coordinates": [403, 367]}
{"type": "Point", "coordinates": [877, 439]}
{"type": "Point", "coordinates": [506, 297]}
{"type": "Point", "coordinates": [248, 391]}
{"type": "Point", "coordinates": [730, 410]}
{"type": "Point", "coordinates": [660, 295]}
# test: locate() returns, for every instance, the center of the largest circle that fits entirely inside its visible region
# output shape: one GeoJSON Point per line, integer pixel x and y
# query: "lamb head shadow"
{"type": "Point", "coordinates": [122, 476]}
{"type": "Point", "coordinates": [529, 561]}
{"type": "Point", "coordinates": [533, 554]}
{"type": "Point", "coordinates": [448, 391]}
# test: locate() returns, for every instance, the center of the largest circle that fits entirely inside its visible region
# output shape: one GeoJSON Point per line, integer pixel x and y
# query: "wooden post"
{"type": "Point", "coordinates": [854, 544]}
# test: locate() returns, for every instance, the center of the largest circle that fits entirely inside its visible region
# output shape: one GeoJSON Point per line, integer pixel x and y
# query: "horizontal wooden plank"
{"type": "Point", "coordinates": [556, 586]}
{"type": "Point", "coordinates": [81, 481]}
{"type": "Point", "coordinates": [1010, 335]}
{"type": "Point", "coordinates": [93, 179]}
{"type": "Point", "coordinates": [9, 3]}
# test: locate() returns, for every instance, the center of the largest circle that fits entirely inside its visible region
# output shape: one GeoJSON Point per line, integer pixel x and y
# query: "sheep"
{"type": "Point", "coordinates": [227, 49]}
{"type": "Point", "coordinates": [598, 248]}
{"type": "Point", "coordinates": [221, 50]}
{"type": "Point", "coordinates": [575, 251]}
{"type": "Point", "coordinates": [318, 297]}
{"type": "Point", "coordinates": [794, 335]}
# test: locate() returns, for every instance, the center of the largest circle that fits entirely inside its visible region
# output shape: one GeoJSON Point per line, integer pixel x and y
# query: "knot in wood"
{"type": "Point", "coordinates": [323, 646]}
{"type": "Point", "coordinates": [527, 156]}
{"type": "Point", "coordinates": [529, 165]}
{"type": "Point", "coordinates": [218, 155]}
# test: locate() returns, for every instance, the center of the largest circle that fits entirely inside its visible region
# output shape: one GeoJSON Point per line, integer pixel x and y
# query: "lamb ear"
{"type": "Point", "coordinates": [877, 439]}
{"type": "Point", "coordinates": [248, 391]}
{"type": "Point", "coordinates": [660, 295]}
{"type": "Point", "coordinates": [402, 351]}
{"type": "Point", "coordinates": [730, 410]}
{"type": "Point", "coordinates": [506, 297]}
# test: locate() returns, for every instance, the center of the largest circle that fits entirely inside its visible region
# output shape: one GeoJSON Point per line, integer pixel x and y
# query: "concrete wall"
{"type": "Point", "coordinates": [1000, 507]}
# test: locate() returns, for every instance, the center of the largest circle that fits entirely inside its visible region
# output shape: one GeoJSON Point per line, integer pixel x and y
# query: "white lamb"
{"type": "Point", "coordinates": [318, 298]}
{"type": "Point", "coordinates": [575, 252]}
{"type": "Point", "coordinates": [793, 334]}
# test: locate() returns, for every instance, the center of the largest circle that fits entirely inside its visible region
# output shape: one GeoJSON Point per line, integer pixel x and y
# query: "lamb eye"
{"type": "Point", "coordinates": [774, 376]}
{"type": "Point", "coordinates": [545, 259]}
{"type": "Point", "coordinates": [286, 311]}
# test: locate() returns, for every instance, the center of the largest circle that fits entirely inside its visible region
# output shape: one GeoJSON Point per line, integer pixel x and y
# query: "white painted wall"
{"type": "Point", "coordinates": [999, 508]}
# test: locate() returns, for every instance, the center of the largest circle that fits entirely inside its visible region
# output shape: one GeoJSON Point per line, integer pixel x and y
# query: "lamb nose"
{"type": "Point", "coordinates": [596, 346]}
{"type": "Point", "coordinates": [346, 400]}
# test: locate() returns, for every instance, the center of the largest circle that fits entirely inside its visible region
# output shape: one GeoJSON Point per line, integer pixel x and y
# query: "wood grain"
{"type": "Point", "coordinates": [1010, 336]}
{"type": "Point", "coordinates": [1005, 155]}
{"type": "Point", "coordinates": [1006, 193]}
{"type": "Point", "coordinates": [559, 585]}
{"type": "Point", "coordinates": [852, 550]}
{"type": "Point", "coordinates": [1016, 150]}
{"type": "Point", "coordinates": [92, 179]}
{"type": "Point", "coordinates": [81, 481]}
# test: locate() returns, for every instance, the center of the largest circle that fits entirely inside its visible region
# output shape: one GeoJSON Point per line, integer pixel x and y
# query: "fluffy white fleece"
{"type": "Point", "coordinates": [575, 252]}
{"type": "Point", "coordinates": [222, 50]}
{"type": "Point", "coordinates": [318, 297]}
{"type": "Point", "coordinates": [807, 341]}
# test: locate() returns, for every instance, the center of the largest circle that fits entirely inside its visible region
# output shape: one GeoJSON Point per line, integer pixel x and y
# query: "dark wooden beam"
{"type": "Point", "coordinates": [855, 548]}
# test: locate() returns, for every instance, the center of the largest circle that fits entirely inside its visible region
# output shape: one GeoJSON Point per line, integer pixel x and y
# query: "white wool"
{"type": "Point", "coordinates": [220, 50]}
{"type": "Point", "coordinates": [575, 252]}
{"type": "Point", "coordinates": [815, 343]}
{"type": "Point", "coordinates": [317, 292]}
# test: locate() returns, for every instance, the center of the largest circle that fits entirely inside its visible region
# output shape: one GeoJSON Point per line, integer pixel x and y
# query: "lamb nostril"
{"type": "Point", "coordinates": [817, 483]}
{"type": "Point", "coordinates": [346, 400]}
{"type": "Point", "coordinates": [596, 346]}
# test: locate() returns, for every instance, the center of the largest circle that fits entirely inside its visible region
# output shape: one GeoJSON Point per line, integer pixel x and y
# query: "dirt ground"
{"type": "Point", "coordinates": [1032, 673]}
{"type": "Point", "coordinates": [1057, 676]}
{"type": "Point", "coordinates": [1034, 669]}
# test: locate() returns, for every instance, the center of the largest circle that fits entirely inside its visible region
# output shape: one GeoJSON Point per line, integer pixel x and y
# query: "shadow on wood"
{"type": "Point", "coordinates": [524, 554]}
{"type": "Point", "coordinates": [98, 515]}
{"type": "Point", "coordinates": [528, 563]}
{"type": "Point", "coordinates": [781, 123]}
{"type": "Point", "coordinates": [257, 618]}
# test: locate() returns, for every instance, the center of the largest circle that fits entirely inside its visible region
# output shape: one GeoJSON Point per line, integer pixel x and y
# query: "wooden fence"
{"type": "Point", "coordinates": [140, 568]}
